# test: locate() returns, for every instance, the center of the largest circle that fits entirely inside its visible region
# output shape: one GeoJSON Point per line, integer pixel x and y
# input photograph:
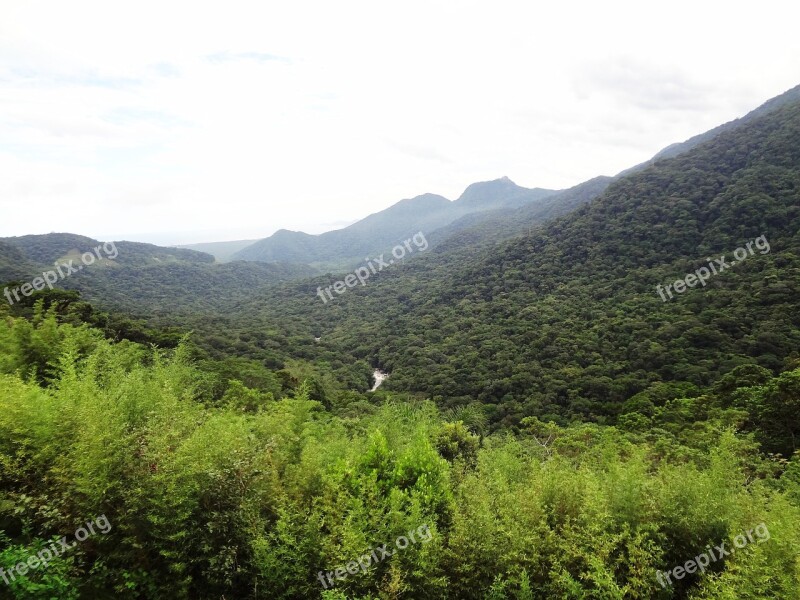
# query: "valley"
{"type": "Point", "coordinates": [590, 392]}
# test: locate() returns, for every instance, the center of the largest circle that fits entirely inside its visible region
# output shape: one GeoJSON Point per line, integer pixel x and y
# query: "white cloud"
{"type": "Point", "coordinates": [182, 120]}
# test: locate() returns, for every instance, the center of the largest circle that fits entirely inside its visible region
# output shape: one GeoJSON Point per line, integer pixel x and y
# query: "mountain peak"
{"type": "Point", "coordinates": [499, 193]}
{"type": "Point", "coordinates": [481, 191]}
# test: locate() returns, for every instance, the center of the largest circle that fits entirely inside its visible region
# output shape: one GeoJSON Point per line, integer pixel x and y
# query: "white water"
{"type": "Point", "coordinates": [379, 376]}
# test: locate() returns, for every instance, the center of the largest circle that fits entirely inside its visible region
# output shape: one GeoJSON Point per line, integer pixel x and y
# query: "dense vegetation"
{"type": "Point", "coordinates": [251, 496]}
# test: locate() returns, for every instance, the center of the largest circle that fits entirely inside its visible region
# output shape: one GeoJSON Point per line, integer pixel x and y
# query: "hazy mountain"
{"type": "Point", "coordinates": [477, 231]}
{"type": "Point", "coordinates": [500, 193]}
{"type": "Point", "coordinates": [381, 231]}
{"type": "Point", "coordinates": [221, 251]}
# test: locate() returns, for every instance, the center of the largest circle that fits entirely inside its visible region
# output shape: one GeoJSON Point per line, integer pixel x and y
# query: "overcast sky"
{"type": "Point", "coordinates": [175, 122]}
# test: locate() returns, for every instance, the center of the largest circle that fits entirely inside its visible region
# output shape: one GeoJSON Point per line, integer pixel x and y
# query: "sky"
{"type": "Point", "coordinates": [182, 122]}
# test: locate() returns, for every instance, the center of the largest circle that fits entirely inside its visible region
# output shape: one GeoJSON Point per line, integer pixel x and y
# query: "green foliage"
{"type": "Point", "coordinates": [56, 580]}
{"type": "Point", "coordinates": [454, 441]}
{"type": "Point", "coordinates": [253, 496]}
{"type": "Point", "coordinates": [774, 410]}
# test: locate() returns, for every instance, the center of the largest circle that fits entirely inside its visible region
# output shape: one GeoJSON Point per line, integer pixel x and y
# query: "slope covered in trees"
{"type": "Point", "coordinates": [138, 278]}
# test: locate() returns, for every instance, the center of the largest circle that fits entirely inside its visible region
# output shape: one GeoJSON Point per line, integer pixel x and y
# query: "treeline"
{"type": "Point", "coordinates": [252, 495]}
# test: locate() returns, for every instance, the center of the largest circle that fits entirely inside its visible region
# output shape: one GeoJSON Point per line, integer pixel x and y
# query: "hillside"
{"type": "Point", "coordinates": [567, 321]}
{"type": "Point", "coordinates": [13, 263]}
{"type": "Point", "coordinates": [292, 486]}
{"type": "Point", "coordinates": [136, 277]}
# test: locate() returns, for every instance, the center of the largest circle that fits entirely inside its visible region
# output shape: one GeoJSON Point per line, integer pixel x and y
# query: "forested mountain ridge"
{"type": "Point", "coordinates": [480, 230]}
{"type": "Point", "coordinates": [576, 303]}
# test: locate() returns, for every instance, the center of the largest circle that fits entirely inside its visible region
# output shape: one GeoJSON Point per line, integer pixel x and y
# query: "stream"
{"type": "Point", "coordinates": [379, 376]}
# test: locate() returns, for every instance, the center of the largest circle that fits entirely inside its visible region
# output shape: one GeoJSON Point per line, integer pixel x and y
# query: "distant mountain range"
{"type": "Point", "coordinates": [380, 231]}
{"type": "Point", "coordinates": [486, 212]}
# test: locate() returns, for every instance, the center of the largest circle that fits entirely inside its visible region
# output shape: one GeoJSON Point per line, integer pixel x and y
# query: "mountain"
{"type": "Point", "coordinates": [567, 321]}
{"type": "Point", "coordinates": [221, 251]}
{"type": "Point", "coordinates": [475, 232]}
{"type": "Point", "coordinates": [381, 231]}
{"type": "Point", "coordinates": [500, 193]}
{"type": "Point", "coordinates": [470, 234]}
